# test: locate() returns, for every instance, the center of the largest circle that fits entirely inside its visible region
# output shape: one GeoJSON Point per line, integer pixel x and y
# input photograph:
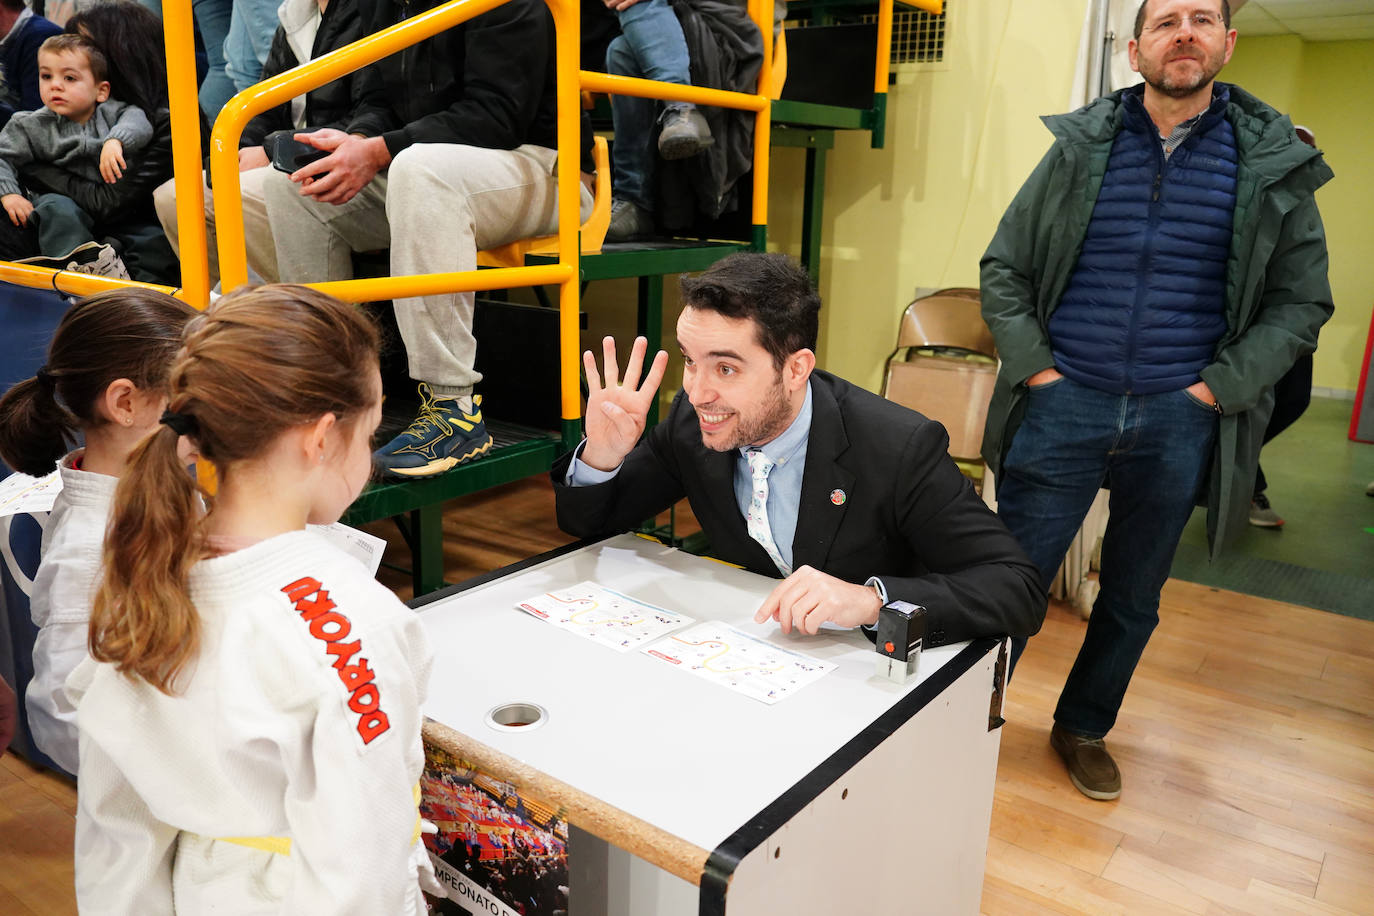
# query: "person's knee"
{"type": "Point", "coordinates": [432, 173]}
{"type": "Point", "coordinates": [53, 205]}
{"type": "Point", "coordinates": [165, 202]}
{"type": "Point", "coordinates": [281, 195]}
{"type": "Point", "coordinates": [620, 58]}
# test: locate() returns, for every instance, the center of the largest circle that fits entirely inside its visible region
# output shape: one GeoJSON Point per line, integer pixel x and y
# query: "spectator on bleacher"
{"type": "Point", "coordinates": [237, 36]}
{"type": "Point", "coordinates": [131, 37]}
{"type": "Point", "coordinates": [23, 31]}
{"type": "Point", "coordinates": [80, 129]}
{"type": "Point", "coordinates": [725, 50]}
{"type": "Point", "coordinates": [450, 149]}
{"type": "Point", "coordinates": [252, 28]}
{"type": "Point", "coordinates": [651, 46]}
{"type": "Point", "coordinates": [212, 21]}
{"type": "Point", "coordinates": [308, 29]}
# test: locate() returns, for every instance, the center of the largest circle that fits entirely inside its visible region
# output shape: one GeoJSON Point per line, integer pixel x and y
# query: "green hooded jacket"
{"type": "Point", "coordinates": [1277, 293]}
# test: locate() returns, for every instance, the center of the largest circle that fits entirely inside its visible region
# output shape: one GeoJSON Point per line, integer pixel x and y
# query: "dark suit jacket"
{"type": "Point", "coordinates": [908, 516]}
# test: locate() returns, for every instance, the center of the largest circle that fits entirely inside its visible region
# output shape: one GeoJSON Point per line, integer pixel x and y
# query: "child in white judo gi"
{"type": "Point", "coordinates": [250, 715]}
{"type": "Point", "coordinates": [106, 379]}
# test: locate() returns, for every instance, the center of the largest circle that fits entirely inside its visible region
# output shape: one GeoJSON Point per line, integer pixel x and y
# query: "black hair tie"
{"type": "Point", "coordinates": [45, 378]}
{"type": "Point", "coordinates": [181, 424]}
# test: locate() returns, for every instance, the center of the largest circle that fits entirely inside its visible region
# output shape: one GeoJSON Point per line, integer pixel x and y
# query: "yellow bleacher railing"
{"type": "Point", "coordinates": [269, 93]}
{"type": "Point", "coordinates": [179, 40]}
{"type": "Point", "coordinates": [880, 76]}
{"type": "Point", "coordinates": [567, 29]}
{"type": "Point", "coordinates": [228, 128]}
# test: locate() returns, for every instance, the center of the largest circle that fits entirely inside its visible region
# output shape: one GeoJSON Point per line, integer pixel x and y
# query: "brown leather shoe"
{"type": "Point", "coordinates": [1091, 768]}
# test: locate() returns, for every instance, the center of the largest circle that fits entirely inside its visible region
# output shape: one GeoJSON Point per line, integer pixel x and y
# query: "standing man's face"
{"type": "Point", "coordinates": [1183, 46]}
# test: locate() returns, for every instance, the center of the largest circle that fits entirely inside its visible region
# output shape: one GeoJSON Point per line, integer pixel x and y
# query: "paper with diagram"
{"type": "Point", "coordinates": [603, 615]}
{"type": "Point", "coordinates": [733, 658]}
{"type": "Point", "coordinates": [21, 493]}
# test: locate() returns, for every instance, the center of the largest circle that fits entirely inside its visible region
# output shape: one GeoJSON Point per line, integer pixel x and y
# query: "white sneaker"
{"type": "Point", "coordinates": [89, 258]}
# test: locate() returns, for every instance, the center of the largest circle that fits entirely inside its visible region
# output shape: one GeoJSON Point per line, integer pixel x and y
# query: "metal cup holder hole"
{"type": "Point", "coordinates": [517, 716]}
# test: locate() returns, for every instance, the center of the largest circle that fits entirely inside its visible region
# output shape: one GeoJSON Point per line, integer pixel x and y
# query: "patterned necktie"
{"type": "Point", "coordinates": [757, 516]}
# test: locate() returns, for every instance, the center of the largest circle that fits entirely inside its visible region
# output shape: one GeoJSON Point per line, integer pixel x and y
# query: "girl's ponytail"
{"type": "Point", "coordinates": [35, 430]}
{"type": "Point", "coordinates": [258, 362]}
{"type": "Point", "coordinates": [143, 621]}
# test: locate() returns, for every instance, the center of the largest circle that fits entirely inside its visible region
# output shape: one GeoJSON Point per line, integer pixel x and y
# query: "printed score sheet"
{"type": "Point", "coordinates": [712, 650]}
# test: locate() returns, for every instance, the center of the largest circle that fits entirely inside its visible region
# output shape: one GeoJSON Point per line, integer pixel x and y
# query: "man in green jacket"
{"type": "Point", "coordinates": [1161, 268]}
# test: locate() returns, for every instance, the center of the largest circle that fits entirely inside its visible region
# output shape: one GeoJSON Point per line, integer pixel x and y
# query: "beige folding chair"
{"type": "Point", "coordinates": [944, 366]}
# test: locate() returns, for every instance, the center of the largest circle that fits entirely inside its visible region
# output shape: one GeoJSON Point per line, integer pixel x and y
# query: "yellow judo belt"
{"type": "Point", "coordinates": [281, 845]}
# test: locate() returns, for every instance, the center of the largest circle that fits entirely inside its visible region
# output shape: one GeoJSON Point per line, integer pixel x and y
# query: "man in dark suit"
{"type": "Point", "coordinates": [792, 472]}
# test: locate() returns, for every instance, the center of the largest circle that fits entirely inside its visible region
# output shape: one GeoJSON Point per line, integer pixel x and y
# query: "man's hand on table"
{"type": "Point", "coordinates": [808, 598]}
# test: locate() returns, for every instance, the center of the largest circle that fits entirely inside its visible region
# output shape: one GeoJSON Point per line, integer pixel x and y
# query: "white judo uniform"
{"type": "Point", "coordinates": [63, 591]}
{"type": "Point", "coordinates": [281, 776]}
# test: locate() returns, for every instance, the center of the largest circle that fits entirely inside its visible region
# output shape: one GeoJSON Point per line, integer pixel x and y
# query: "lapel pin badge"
{"type": "Point", "coordinates": [837, 497]}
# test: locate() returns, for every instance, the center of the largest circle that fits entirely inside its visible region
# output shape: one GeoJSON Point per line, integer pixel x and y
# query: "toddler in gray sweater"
{"type": "Point", "coordinates": [79, 128]}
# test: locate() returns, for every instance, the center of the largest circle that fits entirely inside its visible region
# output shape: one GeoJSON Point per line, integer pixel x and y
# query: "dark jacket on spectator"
{"type": "Point", "coordinates": [487, 82]}
{"type": "Point", "coordinates": [327, 106]}
{"type": "Point", "coordinates": [726, 51]}
{"type": "Point", "coordinates": [19, 63]}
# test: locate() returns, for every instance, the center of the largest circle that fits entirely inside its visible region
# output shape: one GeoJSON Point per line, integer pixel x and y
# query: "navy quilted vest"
{"type": "Point", "coordinates": [1145, 306]}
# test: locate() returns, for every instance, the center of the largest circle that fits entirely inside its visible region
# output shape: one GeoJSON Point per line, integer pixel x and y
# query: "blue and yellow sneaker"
{"type": "Point", "coordinates": [441, 438]}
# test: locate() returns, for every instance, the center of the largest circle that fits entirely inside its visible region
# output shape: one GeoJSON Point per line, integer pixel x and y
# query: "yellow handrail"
{"type": "Point", "coordinates": [179, 43]}
{"type": "Point", "coordinates": [238, 111]}
{"type": "Point", "coordinates": [277, 90]}
{"type": "Point", "coordinates": [567, 32]}
{"type": "Point", "coordinates": [763, 120]}
{"type": "Point", "coordinates": [611, 84]}
{"type": "Point", "coordinates": [883, 63]}
{"type": "Point", "coordinates": [407, 287]}
{"type": "Point", "coordinates": [67, 282]}
{"type": "Point", "coordinates": [228, 128]}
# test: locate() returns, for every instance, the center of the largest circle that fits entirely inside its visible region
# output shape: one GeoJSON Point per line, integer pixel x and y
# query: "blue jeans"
{"type": "Point", "coordinates": [250, 36]}
{"type": "Point", "coordinates": [650, 46]}
{"type": "Point", "coordinates": [62, 224]}
{"type": "Point", "coordinates": [212, 18]}
{"type": "Point", "coordinates": [1153, 451]}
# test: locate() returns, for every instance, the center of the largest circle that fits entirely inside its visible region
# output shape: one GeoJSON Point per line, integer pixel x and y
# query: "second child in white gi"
{"type": "Point", "coordinates": [250, 716]}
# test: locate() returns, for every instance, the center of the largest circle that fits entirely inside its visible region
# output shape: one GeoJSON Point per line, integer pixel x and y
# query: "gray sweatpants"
{"type": "Point", "coordinates": [435, 206]}
{"type": "Point", "coordinates": [262, 256]}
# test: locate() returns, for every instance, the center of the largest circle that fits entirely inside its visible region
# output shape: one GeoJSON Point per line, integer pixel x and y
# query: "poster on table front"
{"type": "Point", "coordinates": [497, 852]}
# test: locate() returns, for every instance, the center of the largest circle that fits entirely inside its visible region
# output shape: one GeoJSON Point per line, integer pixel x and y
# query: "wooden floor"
{"type": "Point", "coordinates": [1246, 746]}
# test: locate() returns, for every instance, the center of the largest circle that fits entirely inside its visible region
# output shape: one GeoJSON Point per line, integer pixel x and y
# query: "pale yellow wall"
{"type": "Point", "coordinates": [962, 139]}
{"type": "Point", "coordinates": [1329, 87]}
{"type": "Point", "coordinates": [1269, 66]}
{"type": "Point", "coordinates": [918, 213]}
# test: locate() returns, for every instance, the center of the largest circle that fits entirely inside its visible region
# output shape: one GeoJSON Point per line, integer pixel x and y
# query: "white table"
{"type": "Point", "coordinates": [854, 795]}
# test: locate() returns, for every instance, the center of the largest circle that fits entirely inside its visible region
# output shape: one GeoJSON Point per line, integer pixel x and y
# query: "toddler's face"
{"type": "Point", "coordinates": [67, 86]}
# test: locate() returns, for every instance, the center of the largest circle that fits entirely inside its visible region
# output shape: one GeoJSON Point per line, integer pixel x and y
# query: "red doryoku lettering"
{"type": "Point", "coordinates": [357, 677]}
